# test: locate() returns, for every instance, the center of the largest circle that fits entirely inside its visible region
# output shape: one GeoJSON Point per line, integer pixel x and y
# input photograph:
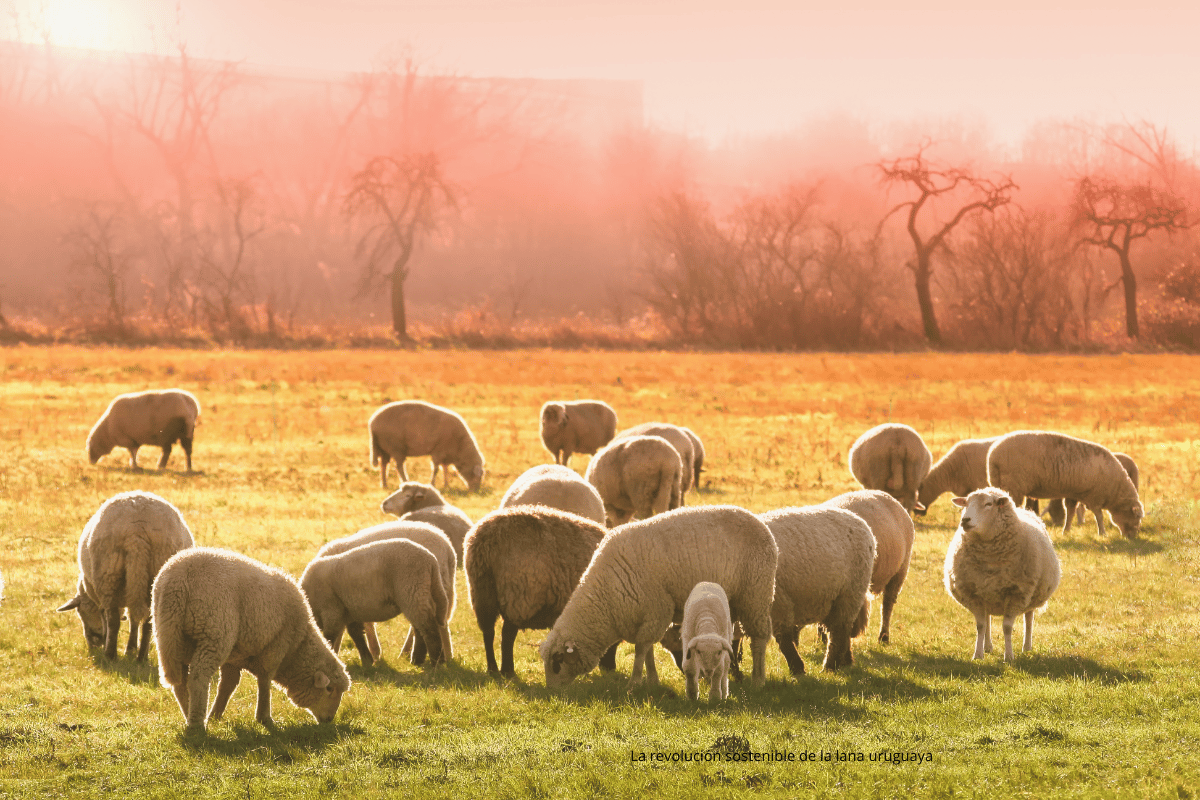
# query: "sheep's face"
{"type": "Point", "coordinates": [409, 497]}
{"type": "Point", "coordinates": [562, 661]}
{"type": "Point", "coordinates": [95, 626]}
{"type": "Point", "coordinates": [97, 449]}
{"type": "Point", "coordinates": [322, 696]}
{"type": "Point", "coordinates": [554, 416]}
{"type": "Point", "coordinates": [925, 498]}
{"type": "Point", "coordinates": [474, 477]}
{"type": "Point", "coordinates": [707, 657]}
{"type": "Point", "coordinates": [1129, 519]}
{"type": "Point", "coordinates": [981, 509]}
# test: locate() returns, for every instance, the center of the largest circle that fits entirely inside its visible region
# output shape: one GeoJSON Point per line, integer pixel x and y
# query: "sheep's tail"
{"type": "Point", "coordinates": [166, 635]}
{"type": "Point", "coordinates": [896, 481]}
{"type": "Point", "coordinates": [667, 495]}
{"type": "Point", "coordinates": [138, 579]}
{"type": "Point", "coordinates": [864, 615]}
{"type": "Point", "coordinates": [441, 609]}
{"type": "Point", "coordinates": [376, 450]}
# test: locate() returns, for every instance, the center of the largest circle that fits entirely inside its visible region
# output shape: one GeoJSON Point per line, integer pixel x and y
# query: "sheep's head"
{"type": "Point", "coordinates": [981, 510]}
{"type": "Point", "coordinates": [321, 694]}
{"type": "Point", "coordinates": [95, 626]}
{"type": "Point", "coordinates": [474, 476]}
{"type": "Point", "coordinates": [925, 498]}
{"type": "Point", "coordinates": [562, 660]}
{"type": "Point", "coordinates": [410, 497]}
{"type": "Point", "coordinates": [1128, 519]}
{"type": "Point", "coordinates": [708, 656]}
{"type": "Point", "coordinates": [98, 445]}
{"type": "Point", "coordinates": [554, 416]}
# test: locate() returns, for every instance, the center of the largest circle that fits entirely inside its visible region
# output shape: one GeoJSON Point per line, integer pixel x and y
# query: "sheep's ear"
{"type": "Point", "coordinates": [917, 507]}
{"type": "Point", "coordinates": [556, 663]}
{"type": "Point", "coordinates": [1002, 501]}
{"type": "Point", "coordinates": [72, 603]}
{"type": "Point", "coordinates": [961, 502]}
{"type": "Point", "coordinates": [322, 680]}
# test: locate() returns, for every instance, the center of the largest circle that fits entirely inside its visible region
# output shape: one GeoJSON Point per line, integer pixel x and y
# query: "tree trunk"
{"type": "Point", "coordinates": [1130, 281]}
{"type": "Point", "coordinates": [922, 273]}
{"type": "Point", "coordinates": [399, 317]}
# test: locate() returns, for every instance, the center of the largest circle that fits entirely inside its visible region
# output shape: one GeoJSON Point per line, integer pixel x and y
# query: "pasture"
{"type": "Point", "coordinates": [1107, 705]}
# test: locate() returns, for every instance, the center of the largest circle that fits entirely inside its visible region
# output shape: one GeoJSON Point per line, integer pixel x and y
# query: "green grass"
{"type": "Point", "coordinates": [1105, 706]}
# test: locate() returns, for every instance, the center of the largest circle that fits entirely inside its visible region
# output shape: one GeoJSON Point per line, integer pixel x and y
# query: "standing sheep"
{"type": "Point", "coordinates": [707, 635]}
{"type": "Point", "coordinates": [961, 471]}
{"type": "Point", "coordinates": [1057, 508]}
{"type": "Point", "coordinates": [637, 476]}
{"type": "Point", "coordinates": [1045, 465]}
{"type": "Point", "coordinates": [893, 458]}
{"type": "Point", "coordinates": [557, 487]}
{"type": "Point", "coordinates": [214, 609]}
{"type": "Point", "coordinates": [893, 530]}
{"type": "Point", "coordinates": [122, 548]}
{"type": "Point", "coordinates": [420, 502]}
{"type": "Point", "coordinates": [374, 583]}
{"type": "Point", "coordinates": [697, 456]}
{"type": "Point", "coordinates": [825, 559]}
{"type": "Point", "coordinates": [156, 417]}
{"type": "Point", "coordinates": [522, 564]}
{"type": "Point", "coordinates": [679, 439]}
{"type": "Point", "coordinates": [639, 580]}
{"type": "Point", "coordinates": [1001, 562]}
{"type": "Point", "coordinates": [416, 428]}
{"type": "Point", "coordinates": [576, 426]}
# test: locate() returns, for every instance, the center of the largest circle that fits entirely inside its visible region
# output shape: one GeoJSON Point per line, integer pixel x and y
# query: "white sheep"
{"type": "Point", "coordinates": [428, 536]}
{"type": "Point", "coordinates": [891, 457]}
{"type": "Point", "coordinates": [679, 439]}
{"type": "Point", "coordinates": [576, 426]}
{"type": "Point", "coordinates": [707, 636]}
{"type": "Point", "coordinates": [825, 559]}
{"type": "Point", "coordinates": [961, 471]}
{"type": "Point", "coordinates": [1045, 465]}
{"type": "Point", "coordinates": [697, 456]}
{"type": "Point", "coordinates": [157, 417]}
{"type": "Point", "coordinates": [1000, 563]}
{"type": "Point", "coordinates": [893, 530]}
{"type": "Point", "coordinates": [416, 428]}
{"type": "Point", "coordinates": [374, 583]}
{"type": "Point", "coordinates": [641, 576]}
{"type": "Point", "coordinates": [122, 548]}
{"type": "Point", "coordinates": [1058, 508]}
{"type": "Point", "coordinates": [522, 564]}
{"type": "Point", "coordinates": [215, 609]}
{"type": "Point", "coordinates": [420, 502]}
{"type": "Point", "coordinates": [636, 476]}
{"type": "Point", "coordinates": [555, 486]}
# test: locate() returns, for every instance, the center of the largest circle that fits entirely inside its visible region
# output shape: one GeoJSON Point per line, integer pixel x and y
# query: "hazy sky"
{"type": "Point", "coordinates": [717, 67]}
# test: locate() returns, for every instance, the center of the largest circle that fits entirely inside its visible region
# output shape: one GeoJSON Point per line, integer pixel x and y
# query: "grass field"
{"type": "Point", "coordinates": [1105, 706]}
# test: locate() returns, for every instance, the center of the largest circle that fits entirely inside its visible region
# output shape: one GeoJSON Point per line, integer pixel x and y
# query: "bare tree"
{"type": "Point", "coordinates": [99, 250]}
{"type": "Point", "coordinates": [225, 274]}
{"type": "Point", "coordinates": [934, 184]}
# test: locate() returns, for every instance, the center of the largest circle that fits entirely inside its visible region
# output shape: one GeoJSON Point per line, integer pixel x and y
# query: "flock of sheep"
{"type": "Point", "coordinates": [696, 579]}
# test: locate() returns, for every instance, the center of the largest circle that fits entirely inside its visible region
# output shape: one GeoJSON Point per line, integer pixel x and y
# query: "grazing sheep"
{"type": "Point", "coordinates": [416, 428]}
{"type": "Point", "coordinates": [122, 548]}
{"type": "Point", "coordinates": [707, 633]}
{"type": "Point", "coordinates": [156, 417]}
{"type": "Point", "coordinates": [697, 456]}
{"type": "Point", "coordinates": [522, 564]}
{"type": "Point", "coordinates": [678, 439]}
{"type": "Point", "coordinates": [893, 458]}
{"type": "Point", "coordinates": [1057, 508]}
{"type": "Point", "coordinates": [825, 559]}
{"type": "Point", "coordinates": [636, 476]}
{"type": "Point", "coordinates": [639, 580]}
{"type": "Point", "coordinates": [214, 609]}
{"type": "Point", "coordinates": [961, 471]}
{"type": "Point", "coordinates": [1045, 465]}
{"type": "Point", "coordinates": [576, 426]}
{"type": "Point", "coordinates": [1001, 562]}
{"type": "Point", "coordinates": [424, 534]}
{"type": "Point", "coordinates": [557, 487]}
{"type": "Point", "coordinates": [373, 583]}
{"type": "Point", "coordinates": [420, 502]}
{"type": "Point", "coordinates": [893, 530]}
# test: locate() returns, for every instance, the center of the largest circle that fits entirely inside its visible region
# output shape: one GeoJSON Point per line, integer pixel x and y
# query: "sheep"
{"type": "Point", "coordinates": [416, 428]}
{"type": "Point", "coordinates": [215, 609]}
{"type": "Point", "coordinates": [424, 534]}
{"type": "Point", "coordinates": [678, 439]}
{"type": "Point", "coordinates": [557, 487]}
{"type": "Point", "coordinates": [639, 580]}
{"type": "Point", "coordinates": [636, 476]}
{"type": "Point", "coordinates": [155, 417]}
{"type": "Point", "coordinates": [522, 564]}
{"type": "Point", "coordinates": [1000, 562]}
{"type": "Point", "coordinates": [576, 426]}
{"type": "Point", "coordinates": [375, 582]}
{"type": "Point", "coordinates": [825, 559]}
{"type": "Point", "coordinates": [1057, 508]}
{"type": "Point", "coordinates": [420, 502]}
{"type": "Point", "coordinates": [893, 458]}
{"type": "Point", "coordinates": [707, 633]}
{"type": "Point", "coordinates": [1044, 464]}
{"type": "Point", "coordinates": [961, 471]}
{"type": "Point", "coordinates": [893, 530]}
{"type": "Point", "coordinates": [697, 456]}
{"type": "Point", "coordinates": [122, 548]}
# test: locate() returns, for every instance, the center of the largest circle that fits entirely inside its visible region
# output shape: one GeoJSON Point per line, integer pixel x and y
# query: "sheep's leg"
{"type": "Point", "coordinates": [890, 594]}
{"type": "Point", "coordinates": [790, 655]}
{"type": "Point", "coordinates": [133, 451]}
{"type": "Point", "coordinates": [608, 661]}
{"type": "Point", "coordinates": [410, 640]}
{"type": "Point", "coordinates": [651, 670]}
{"type": "Point", "coordinates": [982, 635]}
{"type": "Point", "coordinates": [132, 645]}
{"type": "Point", "coordinates": [1069, 518]}
{"type": "Point", "coordinates": [420, 649]}
{"type": "Point", "coordinates": [758, 651]}
{"type": "Point", "coordinates": [987, 630]}
{"type": "Point", "coordinates": [197, 694]}
{"type": "Point", "coordinates": [144, 647]}
{"type": "Point", "coordinates": [735, 663]}
{"type": "Point", "coordinates": [181, 692]}
{"type": "Point", "coordinates": [566, 457]}
{"type": "Point", "coordinates": [1099, 512]}
{"type": "Point", "coordinates": [186, 444]}
{"type": "Point", "coordinates": [262, 712]}
{"type": "Point", "coordinates": [231, 676]}
{"type": "Point", "coordinates": [488, 629]}
{"type": "Point", "coordinates": [166, 455]}
{"type": "Point", "coordinates": [1028, 645]}
{"type": "Point", "coordinates": [508, 638]}
{"type": "Point", "coordinates": [693, 684]}
{"type": "Point", "coordinates": [112, 619]}
{"type": "Point", "coordinates": [429, 640]}
{"type": "Point", "coordinates": [384, 458]}
{"type": "Point", "coordinates": [400, 468]}
{"type": "Point", "coordinates": [372, 639]}
{"type": "Point", "coordinates": [640, 651]}
{"type": "Point", "coordinates": [838, 653]}
{"type": "Point", "coordinates": [355, 629]}
{"type": "Point", "coordinates": [1008, 626]}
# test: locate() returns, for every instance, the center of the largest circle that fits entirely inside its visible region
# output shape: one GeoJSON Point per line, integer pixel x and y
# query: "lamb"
{"type": "Point", "coordinates": [636, 476]}
{"type": "Point", "coordinates": [707, 633]}
{"type": "Point", "coordinates": [1057, 508]}
{"type": "Point", "coordinates": [375, 582]}
{"type": "Point", "coordinates": [416, 428]}
{"type": "Point", "coordinates": [424, 534]}
{"type": "Point", "coordinates": [122, 548]}
{"type": "Point", "coordinates": [893, 458]}
{"type": "Point", "coordinates": [420, 502]}
{"type": "Point", "coordinates": [826, 555]}
{"type": "Point", "coordinates": [522, 564]}
{"type": "Point", "coordinates": [678, 439]}
{"type": "Point", "coordinates": [1044, 464]}
{"type": "Point", "coordinates": [961, 471]}
{"type": "Point", "coordinates": [1000, 562]}
{"type": "Point", "coordinates": [215, 609]}
{"type": "Point", "coordinates": [557, 487]}
{"type": "Point", "coordinates": [639, 580]}
{"type": "Point", "coordinates": [697, 456]}
{"type": "Point", "coordinates": [156, 417]}
{"type": "Point", "coordinates": [576, 426]}
{"type": "Point", "coordinates": [893, 530]}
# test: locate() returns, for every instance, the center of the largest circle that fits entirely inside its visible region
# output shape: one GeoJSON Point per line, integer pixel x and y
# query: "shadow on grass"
{"type": "Point", "coordinates": [129, 668]}
{"type": "Point", "coordinates": [285, 744]}
{"type": "Point", "coordinates": [151, 472]}
{"type": "Point", "coordinates": [992, 666]}
{"type": "Point", "coordinates": [406, 676]}
{"type": "Point", "coordinates": [1109, 545]}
